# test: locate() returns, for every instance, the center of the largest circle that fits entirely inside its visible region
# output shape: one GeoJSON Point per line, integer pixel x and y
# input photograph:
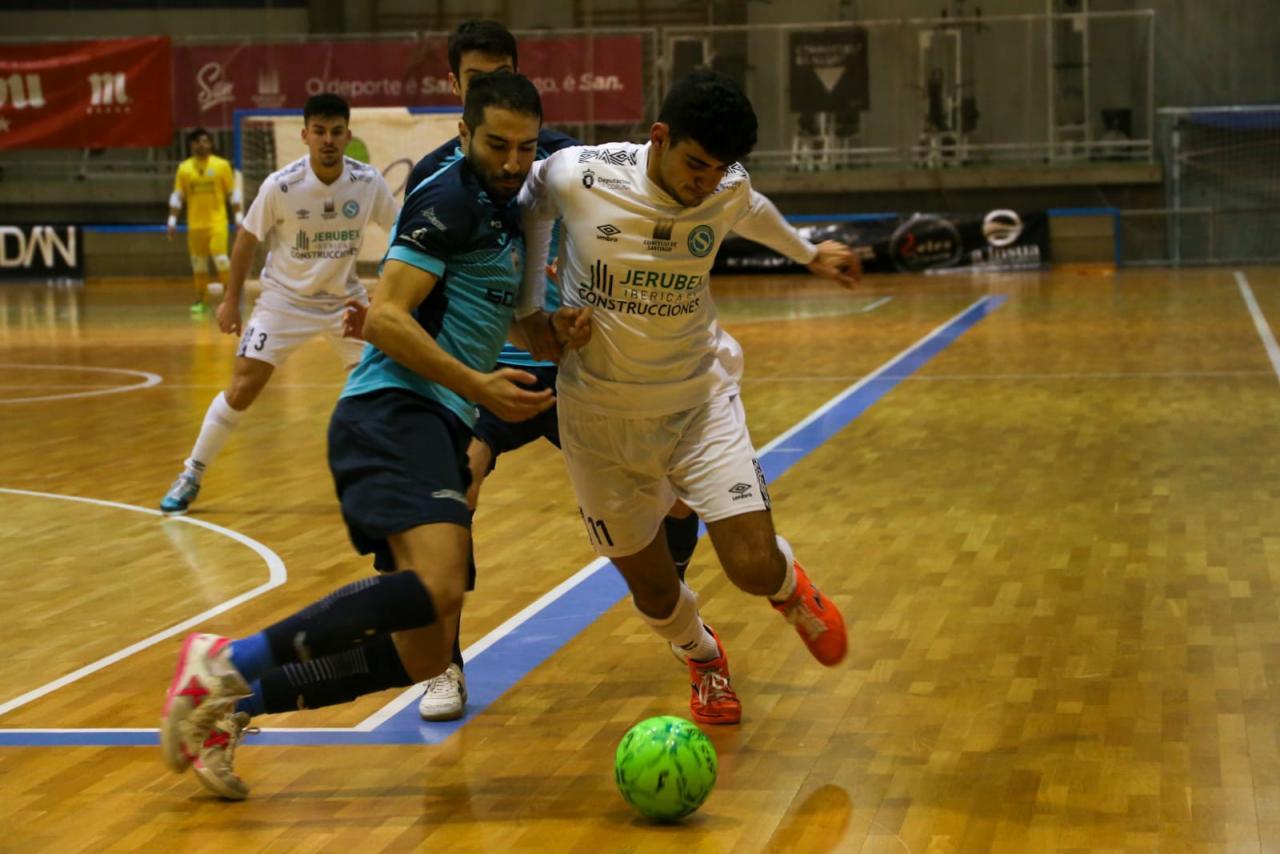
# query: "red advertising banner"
{"type": "Point", "coordinates": [91, 94]}
{"type": "Point", "coordinates": [581, 80]}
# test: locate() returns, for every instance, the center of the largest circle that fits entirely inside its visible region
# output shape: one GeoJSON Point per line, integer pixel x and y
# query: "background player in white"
{"type": "Point", "coordinates": [649, 409]}
{"type": "Point", "coordinates": [312, 215]}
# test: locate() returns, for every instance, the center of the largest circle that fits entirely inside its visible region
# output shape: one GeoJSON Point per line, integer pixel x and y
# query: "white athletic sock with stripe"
{"type": "Point", "coordinates": [789, 580]}
{"type": "Point", "coordinates": [219, 421]}
{"type": "Point", "coordinates": [685, 629]}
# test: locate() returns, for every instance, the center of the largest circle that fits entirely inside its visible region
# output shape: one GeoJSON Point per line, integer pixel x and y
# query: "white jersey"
{"type": "Point", "coordinates": [312, 231]}
{"type": "Point", "coordinates": [642, 261]}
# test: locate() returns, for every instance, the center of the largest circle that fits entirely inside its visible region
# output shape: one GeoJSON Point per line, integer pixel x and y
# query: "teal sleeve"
{"type": "Point", "coordinates": [413, 258]}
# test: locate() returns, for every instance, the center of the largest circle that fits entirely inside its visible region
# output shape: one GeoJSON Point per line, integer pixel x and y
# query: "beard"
{"type": "Point", "coordinates": [501, 186]}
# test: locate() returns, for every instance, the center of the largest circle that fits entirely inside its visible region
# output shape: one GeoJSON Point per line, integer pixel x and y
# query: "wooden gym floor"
{"type": "Point", "coordinates": [1050, 521]}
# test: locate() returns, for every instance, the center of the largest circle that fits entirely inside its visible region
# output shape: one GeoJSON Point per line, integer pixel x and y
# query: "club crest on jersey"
{"type": "Point", "coordinates": [350, 209]}
{"type": "Point", "coordinates": [588, 179]}
{"type": "Point", "coordinates": [701, 240]}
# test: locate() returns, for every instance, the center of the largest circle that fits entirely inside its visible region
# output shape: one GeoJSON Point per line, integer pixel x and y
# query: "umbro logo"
{"type": "Point", "coordinates": [741, 491]}
{"type": "Point", "coordinates": [608, 232]}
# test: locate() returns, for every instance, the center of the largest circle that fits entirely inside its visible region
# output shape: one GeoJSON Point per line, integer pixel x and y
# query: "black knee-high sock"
{"type": "Point", "coordinates": [682, 539]}
{"type": "Point", "coordinates": [457, 643]}
{"type": "Point", "coordinates": [339, 678]}
{"type": "Point", "coordinates": [351, 615]}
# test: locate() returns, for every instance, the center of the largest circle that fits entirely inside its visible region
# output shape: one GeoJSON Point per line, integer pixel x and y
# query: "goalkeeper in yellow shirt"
{"type": "Point", "coordinates": [204, 183]}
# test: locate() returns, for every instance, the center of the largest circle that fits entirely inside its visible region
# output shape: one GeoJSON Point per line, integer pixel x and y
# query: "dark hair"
{"type": "Point", "coordinates": [504, 89]}
{"type": "Point", "coordinates": [709, 108]}
{"type": "Point", "coordinates": [326, 104]}
{"type": "Point", "coordinates": [196, 133]}
{"type": "Point", "coordinates": [483, 37]}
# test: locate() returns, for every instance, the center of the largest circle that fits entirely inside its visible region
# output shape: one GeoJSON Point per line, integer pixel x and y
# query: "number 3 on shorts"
{"type": "Point", "coordinates": [247, 340]}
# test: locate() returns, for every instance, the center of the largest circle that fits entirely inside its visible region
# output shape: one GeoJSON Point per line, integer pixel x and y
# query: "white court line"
{"type": "Point", "coordinates": [276, 576]}
{"type": "Point", "coordinates": [1260, 322]}
{"type": "Point", "coordinates": [148, 379]}
{"type": "Point", "coordinates": [875, 304]}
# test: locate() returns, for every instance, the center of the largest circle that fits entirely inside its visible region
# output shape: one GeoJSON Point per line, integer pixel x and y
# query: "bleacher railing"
{"type": "Point", "coordinates": [921, 93]}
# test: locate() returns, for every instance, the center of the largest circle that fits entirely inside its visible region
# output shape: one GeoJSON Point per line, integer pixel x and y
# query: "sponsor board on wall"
{"type": "Point", "coordinates": [108, 93]}
{"type": "Point", "coordinates": [913, 243]}
{"type": "Point", "coordinates": [599, 79]}
{"type": "Point", "coordinates": [34, 251]}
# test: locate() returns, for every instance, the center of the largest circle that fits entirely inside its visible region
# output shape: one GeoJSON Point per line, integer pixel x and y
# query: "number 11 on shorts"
{"type": "Point", "coordinates": [597, 530]}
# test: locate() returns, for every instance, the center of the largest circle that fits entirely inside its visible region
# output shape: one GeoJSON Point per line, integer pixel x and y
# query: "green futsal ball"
{"type": "Point", "coordinates": [357, 150]}
{"type": "Point", "coordinates": [665, 767]}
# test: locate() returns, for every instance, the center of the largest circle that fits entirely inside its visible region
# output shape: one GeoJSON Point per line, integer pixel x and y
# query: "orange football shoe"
{"type": "Point", "coordinates": [817, 620]}
{"type": "Point", "coordinates": [712, 700]}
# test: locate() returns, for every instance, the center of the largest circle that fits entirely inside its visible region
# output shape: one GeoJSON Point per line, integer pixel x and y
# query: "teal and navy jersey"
{"type": "Point", "coordinates": [449, 227]}
{"type": "Point", "coordinates": [549, 142]}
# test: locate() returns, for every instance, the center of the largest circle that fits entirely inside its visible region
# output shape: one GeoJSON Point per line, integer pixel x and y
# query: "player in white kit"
{"type": "Point", "coordinates": [313, 216]}
{"type": "Point", "coordinates": [649, 409]}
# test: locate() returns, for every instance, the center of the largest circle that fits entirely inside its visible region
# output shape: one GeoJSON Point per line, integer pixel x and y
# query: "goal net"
{"type": "Point", "coordinates": [1222, 183]}
{"type": "Point", "coordinates": [391, 138]}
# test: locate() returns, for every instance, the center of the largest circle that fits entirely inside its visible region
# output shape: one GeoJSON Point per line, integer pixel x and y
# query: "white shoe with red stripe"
{"type": "Point", "coordinates": [216, 764]}
{"type": "Point", "coordinates": [205, 686]}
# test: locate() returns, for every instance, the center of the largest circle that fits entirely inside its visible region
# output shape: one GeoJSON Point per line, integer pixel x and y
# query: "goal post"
{"type": "Point", "coordinates": [391, 138]}
{"type": "Point", "coordinates": [1222, 183]}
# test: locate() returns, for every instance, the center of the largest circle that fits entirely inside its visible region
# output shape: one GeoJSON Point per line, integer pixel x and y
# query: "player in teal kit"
{"type": "Point", "coordinates": [397, 445]}
{"type": "Point", "coordinates": [479, 47]}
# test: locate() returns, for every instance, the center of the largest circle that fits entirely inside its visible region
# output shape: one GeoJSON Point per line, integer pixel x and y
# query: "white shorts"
{"type": "Point", "coordinates": [627, 472]}
{"type": "Point", "coordinates": [274, 332]}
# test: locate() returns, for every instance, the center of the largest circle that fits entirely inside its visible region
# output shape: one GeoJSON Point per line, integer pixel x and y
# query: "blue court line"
{"type": "Point", "coordinates": [498, 668]}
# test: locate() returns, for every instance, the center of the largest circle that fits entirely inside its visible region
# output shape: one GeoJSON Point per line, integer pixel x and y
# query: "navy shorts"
{"type": "Point", "coordinates": [398, 461]}
{"type": "Point", "coordinates": [502, 436]}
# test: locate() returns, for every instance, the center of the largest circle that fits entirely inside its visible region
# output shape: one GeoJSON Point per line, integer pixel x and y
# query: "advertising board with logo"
{"type": "Point", "coordinates": [913, 243]}
{"type": "Point", "coordinates": [41, 252]}
{"type": "Point", "coordinates": [581, 80]}
{"type": "Point", "coordinates": [109, 93]}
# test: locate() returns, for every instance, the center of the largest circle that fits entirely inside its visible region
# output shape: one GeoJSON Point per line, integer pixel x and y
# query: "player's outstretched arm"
{"type": "Point", "coordinates": [837, 262]}
{"type": "Point", "coordinates": [242, 252]}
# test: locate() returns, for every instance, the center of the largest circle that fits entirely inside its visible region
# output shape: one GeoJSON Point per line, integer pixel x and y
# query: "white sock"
{"type": "Point", "coordinates": [789, 580]}
{"type": "Point", "coordinates": [685, 628]}
{"type": "Point", "coordinates": [219, 421]}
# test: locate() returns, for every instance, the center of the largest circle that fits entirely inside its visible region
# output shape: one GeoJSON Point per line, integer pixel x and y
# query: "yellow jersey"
{"type": "Point", "coordinates": [205, 187]}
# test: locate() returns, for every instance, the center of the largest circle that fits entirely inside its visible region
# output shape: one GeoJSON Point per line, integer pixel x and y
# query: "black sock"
{"type": "Point", "coordinates": [350, 615]}
{"type": "Point", "coordinates": [457, 643]}
{"type": "Point", "coordinates": [339, 678]}
{"type": "Point", "coordinates": [682, 539]}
